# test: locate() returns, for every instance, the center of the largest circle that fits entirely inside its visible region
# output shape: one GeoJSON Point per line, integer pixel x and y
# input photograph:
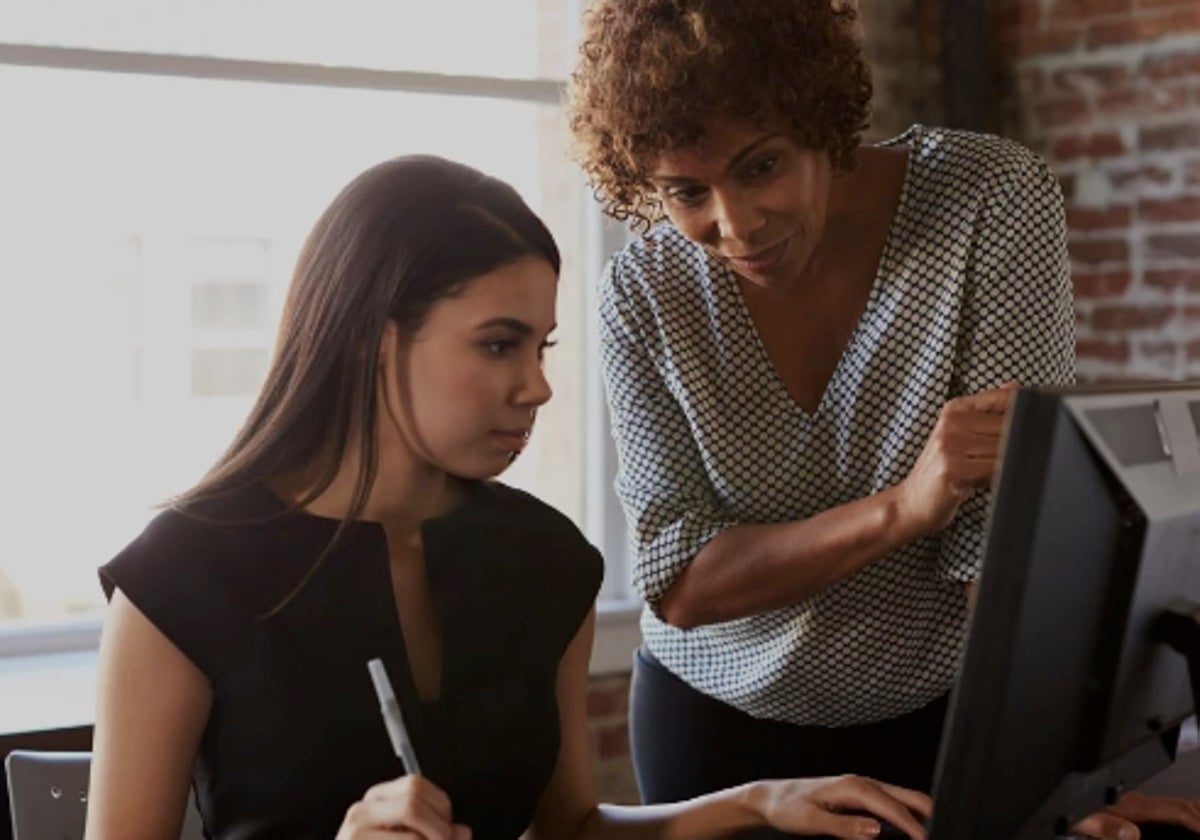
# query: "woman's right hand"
{"type": "Point", "coordinates": [959, 457]}
{"type": "Point", "coordinates": [411, 807]}
{"type": "Point", "coordinates": [820, 806]}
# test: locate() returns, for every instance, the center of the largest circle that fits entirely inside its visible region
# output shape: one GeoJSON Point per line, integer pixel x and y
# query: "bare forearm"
{"type": "Point", "coordinates": [750, 569]}
{"type": "Point", "coordinates": [716, 815]}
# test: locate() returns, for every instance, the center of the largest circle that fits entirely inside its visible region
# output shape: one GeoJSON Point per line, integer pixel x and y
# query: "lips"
{"type": "Point", "coordinates": [762, 261]}
{"type": "Point", "coordinates": [512, 440]}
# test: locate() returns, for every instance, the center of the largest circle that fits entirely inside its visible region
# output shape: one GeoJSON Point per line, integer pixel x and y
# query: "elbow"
{"type": "Point", "coordinates": [678, 611]}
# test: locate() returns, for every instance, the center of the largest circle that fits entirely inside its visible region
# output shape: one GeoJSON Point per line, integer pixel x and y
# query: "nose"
{"type": "Point", "coordinates": [535, 389]}
{"type": "Point", "coordinates": [736, 217]}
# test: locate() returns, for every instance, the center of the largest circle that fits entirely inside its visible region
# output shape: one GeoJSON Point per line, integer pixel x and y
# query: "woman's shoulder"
{"type": "Point", "coordinates": [196, 572]}
{"type": "Point", "coordinates": [195, 529]}
{"type": "Point", "coordinates": [505, 540]}
{"type": "Point", "coordinates": [515, 510]}
{"type": "Point", "coordinates": [171, 535]}
{"type": "Point", "coordinates": [658, 258]}
{"type": "Point", "coordinates": [661, 277]}
{"type": "Point", "coordinates": [509, 515]}
{"type": "Point", "coordinates": [972, 164]}
{"type": "Point", "coordinates": [225, 548]}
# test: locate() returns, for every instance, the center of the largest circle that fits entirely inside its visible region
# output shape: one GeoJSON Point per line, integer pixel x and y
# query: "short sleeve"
{"type": "Point", "coordinates": [669, 503]}
{"type": "Point", "coordinates": [514, 564]}
{"type": "Point", "coordinates": [1019, 322]}
{"type": "Point", "coordinates": [169, 572]}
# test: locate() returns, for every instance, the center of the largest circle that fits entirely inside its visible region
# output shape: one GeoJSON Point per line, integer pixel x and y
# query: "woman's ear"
{"type": "Point", "coordinates": [390, 362]}
{"type": "Point", "coordinates": [390, 342]}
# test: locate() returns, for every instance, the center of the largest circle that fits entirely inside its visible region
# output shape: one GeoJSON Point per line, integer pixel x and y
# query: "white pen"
{"type": "Point", "coordinates": [392, 718]}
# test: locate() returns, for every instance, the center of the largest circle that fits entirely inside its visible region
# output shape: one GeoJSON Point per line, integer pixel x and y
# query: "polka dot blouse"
{"type": "Point", "coordinates": [972, 290]}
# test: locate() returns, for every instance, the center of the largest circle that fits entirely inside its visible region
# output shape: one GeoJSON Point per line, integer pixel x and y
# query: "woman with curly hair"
{"type": "Point", "coordinates": [808, 358]}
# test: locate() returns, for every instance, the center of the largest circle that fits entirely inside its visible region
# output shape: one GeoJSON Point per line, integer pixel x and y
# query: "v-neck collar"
{"type": "Point", "coordinates": [730, 288]}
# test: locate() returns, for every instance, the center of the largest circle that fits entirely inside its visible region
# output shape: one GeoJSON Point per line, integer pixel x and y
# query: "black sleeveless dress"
{"type": "Point", "coordinates": [295, 733]}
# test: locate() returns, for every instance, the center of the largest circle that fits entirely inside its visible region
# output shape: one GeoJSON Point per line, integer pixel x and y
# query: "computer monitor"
{"type": "Point", "coordinates": [1076, 672]}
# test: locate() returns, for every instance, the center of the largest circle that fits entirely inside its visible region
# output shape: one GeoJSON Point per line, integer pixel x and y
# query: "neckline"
{"type": "Point", "coordinates": [393, 646]}
{"type": "Point", "coordinates": [877, 283]}
{"type": "Point", "coordinates": [474, 492]}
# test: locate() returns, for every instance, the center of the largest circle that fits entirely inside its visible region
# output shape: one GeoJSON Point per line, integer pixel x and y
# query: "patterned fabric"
{"type": "Point", "coordinates": [972, 291]}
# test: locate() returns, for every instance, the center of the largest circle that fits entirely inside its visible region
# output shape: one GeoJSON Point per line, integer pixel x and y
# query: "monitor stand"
{"type": "Point", "coordinates": [1179, 627]}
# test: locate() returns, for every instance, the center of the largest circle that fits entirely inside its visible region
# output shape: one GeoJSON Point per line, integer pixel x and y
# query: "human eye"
{"type": "Point", "coordinates": [499, 348]}
{"type": "Point", "coordinates": [763, 166]}
{"type": "Point", "coordinates": [688, 195]}
{"type": "Point", "coordinates": [544, 346]}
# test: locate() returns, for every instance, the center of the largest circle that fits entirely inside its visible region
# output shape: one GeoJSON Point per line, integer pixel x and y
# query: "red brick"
{"type": "Point", "coordinates": [1016, 14]}
{"type": "Point", "coordinates": [1031, 81]}
{"type": "Point", "coordinates": [1191, 313]}
{"type": "Point", "coordinates": [1099, 250]}
{"type": "Point", "coordinates": [1144, 27]}
{"type": "Point", "coordinates": [1099, 284]}
{"type": "Point", "coordinates": [1130, 317]}
{"type": "Point", "coordinates": [1186, 18]}
{"type": "Point", "coordinates": [1103, 218]}
{"type": "Point", "coordinates": [1089, 78]}
{"type": "Point", "coordinates": [1164, 352]}
{"type": "Point", "coordinates": [1192, 349]}
{"type": "Point", "coordinates": [603, 701]}
{"type": "Point", "coordinates": [1182, 208]}
{"type": "Point", "coordinates": [1171, 66]}
{"type": "Point", "coordinates": [1121, 32]}
{"type": "Point", "coordinates": [1116, 350]}
{"type": "Point", "coordinates": [1068, 10]}
{"type": "Point", "coordinates": [612, 741]}
{"type": "Point", "coordinates": [1062, 111]}
{"type": "Point", "coordinates": [1191, 172]}
{"type": "Point", "coordinates": [1180, 135]}
{"type": "Point", "coordinates": [1157, 99]}
{"type": "Point", "coordinates": [1169, 280]}
{"type": "Point", "coordinates": [1075, 146]}
{"type": "Point", "coordinates": [1029, 43]}
{"type": "Point", "coordinates": [1173, 246]}
{"type": "Point", "coordinates": [1149, 174]}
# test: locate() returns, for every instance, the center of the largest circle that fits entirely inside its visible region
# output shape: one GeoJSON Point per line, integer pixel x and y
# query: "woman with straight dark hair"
{"type": "Point", "coordinates": [353, 518]}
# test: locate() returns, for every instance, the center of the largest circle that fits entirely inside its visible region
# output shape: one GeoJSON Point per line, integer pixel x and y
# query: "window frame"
{"type": "Point", "coordinates": [617, 623]}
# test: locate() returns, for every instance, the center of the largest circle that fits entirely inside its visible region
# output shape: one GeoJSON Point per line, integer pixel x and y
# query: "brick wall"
{"type": "Point", "coordinates": [608, 707]}
{"type": "Point", "coordinates": [1109, 92]}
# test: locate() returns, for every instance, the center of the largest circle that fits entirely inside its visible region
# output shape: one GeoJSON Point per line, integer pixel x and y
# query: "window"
{"type": "Point", "coordinates": [159, 174]}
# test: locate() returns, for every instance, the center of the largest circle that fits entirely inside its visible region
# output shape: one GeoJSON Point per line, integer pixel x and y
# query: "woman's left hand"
{"type": "Point", "coordinates": [1116, 822]}
{"type": "Point", "coordinates": [820, 806]}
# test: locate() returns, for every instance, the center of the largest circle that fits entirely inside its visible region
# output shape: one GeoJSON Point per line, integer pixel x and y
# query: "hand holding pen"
{"type": "Point", "coordinates": [410, 807]}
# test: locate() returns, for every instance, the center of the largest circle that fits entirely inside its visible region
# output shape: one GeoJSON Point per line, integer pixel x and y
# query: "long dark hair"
{"type": "Point", "coordinates": [397, 239]}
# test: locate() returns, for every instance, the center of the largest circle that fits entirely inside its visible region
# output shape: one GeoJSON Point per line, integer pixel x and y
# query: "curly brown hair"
{"type": "Point", "coordinates": [650, 73]}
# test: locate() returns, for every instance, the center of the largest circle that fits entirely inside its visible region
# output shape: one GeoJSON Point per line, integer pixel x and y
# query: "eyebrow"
{"type": "Point", "coordinates": [733, 164]}
{"type": "Point", "coordinates": [514, 324]}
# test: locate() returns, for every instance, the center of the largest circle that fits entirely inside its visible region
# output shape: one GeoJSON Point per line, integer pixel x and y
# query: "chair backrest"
{"type": "Point", "coordinates": [47, 794]}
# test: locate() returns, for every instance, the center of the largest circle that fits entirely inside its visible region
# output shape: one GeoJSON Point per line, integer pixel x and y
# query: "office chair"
{"type": "Point", "coordinates": [47, 793]}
